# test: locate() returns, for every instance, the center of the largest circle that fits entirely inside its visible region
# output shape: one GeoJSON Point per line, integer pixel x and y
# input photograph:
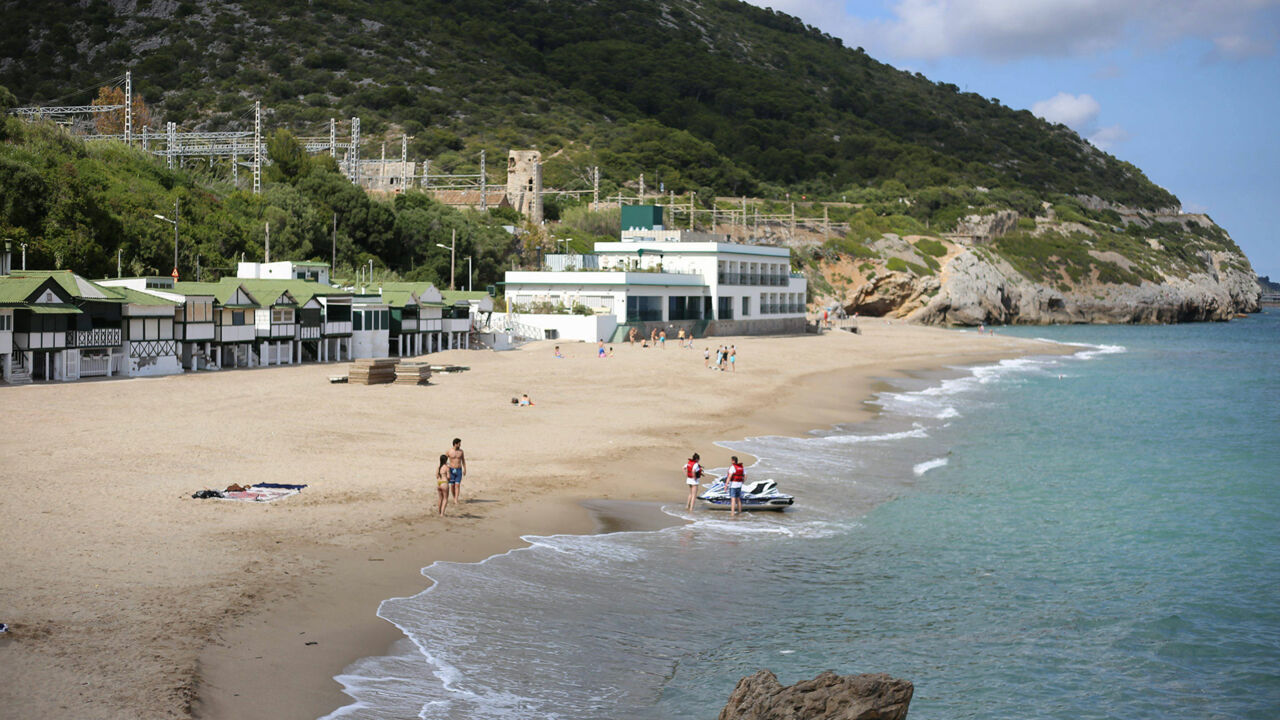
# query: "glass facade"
{"type": "Point", "coordinates": [642, 308]}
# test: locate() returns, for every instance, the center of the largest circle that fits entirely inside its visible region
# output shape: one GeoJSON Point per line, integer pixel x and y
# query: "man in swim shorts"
{"type": "Point", "coordinates": [737, 475]}
{"type": "Point", "coordinates": [457, 461]}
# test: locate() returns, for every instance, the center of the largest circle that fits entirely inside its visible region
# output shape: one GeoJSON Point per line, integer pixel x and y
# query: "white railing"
{"type": "Point", "coordinates": [457, 324]}
{"type": "Point", "coordinates": [98, 337]}
{"type": "Point", "coordinates": [197, 331]}
{"type": "Point", "coordinates": [430, 324]}
{"type": "Point", "coordinates": [309, 332]}
{"type": "Point", "coordinates": [409, 325]}
{"type": "Point", "coordinates": [95, 366]}
{"type": "Point", "coordinates": [282, 331]}
{"type": "Point", "coordinates": [338, 328]}
{"type": "Point", "coordinates": [234, 333]}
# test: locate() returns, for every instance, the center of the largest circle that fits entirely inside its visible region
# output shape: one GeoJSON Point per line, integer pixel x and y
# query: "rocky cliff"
{"type": "Point", "coordinates": [1103, 264]}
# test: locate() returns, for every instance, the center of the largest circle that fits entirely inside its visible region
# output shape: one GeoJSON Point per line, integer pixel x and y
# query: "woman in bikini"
{"type": "Point", "coordinates": [442, 485]}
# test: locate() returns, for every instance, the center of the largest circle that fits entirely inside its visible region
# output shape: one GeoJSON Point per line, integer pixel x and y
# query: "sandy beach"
{"type": "Point", "coordinates": [128, 598]}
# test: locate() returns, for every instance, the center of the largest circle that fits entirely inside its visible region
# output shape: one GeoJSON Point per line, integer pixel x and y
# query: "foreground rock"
{"type": "Point", "coordinates": [826, 697]}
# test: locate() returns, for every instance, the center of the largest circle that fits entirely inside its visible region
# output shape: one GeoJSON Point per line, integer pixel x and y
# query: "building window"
{"type": "Point", "coordinates": [746, 306]}
{"type": "Point", "coordinates": [725, 309]}
{"type": "Point", "coordinates": [281, 316]}
{"type": "Point", "coordinates": [644, 308]}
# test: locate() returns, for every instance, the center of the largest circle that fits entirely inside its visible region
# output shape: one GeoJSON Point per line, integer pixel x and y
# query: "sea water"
{"type": "Point", "coordinates": [1088, 536]}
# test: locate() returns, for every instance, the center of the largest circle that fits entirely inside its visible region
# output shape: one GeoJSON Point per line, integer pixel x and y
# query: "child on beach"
{"type": "Point", "coordinates": [706, 358]}
{"type": "Point", "coordinates": [558, 354]}
{"type": "Point", "coordinates": [692, 473]}
{"type": "Point", "coordinates": [600, 349]}
{"type": "Point", "coordinates": [442, 485]}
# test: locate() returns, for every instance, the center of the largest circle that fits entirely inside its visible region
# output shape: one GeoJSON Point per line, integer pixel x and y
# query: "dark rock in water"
{"type": "Point", "coordinates": [826, 697]}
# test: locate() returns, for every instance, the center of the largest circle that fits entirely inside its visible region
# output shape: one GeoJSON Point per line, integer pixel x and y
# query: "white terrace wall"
{"type": "Point", "coordinates": [587, 328]}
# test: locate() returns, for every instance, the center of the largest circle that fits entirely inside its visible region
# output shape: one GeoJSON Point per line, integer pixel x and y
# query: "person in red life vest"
{"type": "Point", "coordinates": [737, 474]}
{"type": "Point", "coordinates": [692, 474]}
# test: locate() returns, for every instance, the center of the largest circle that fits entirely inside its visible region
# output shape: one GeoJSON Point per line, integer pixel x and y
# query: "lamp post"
{"type": "Point", "coordinates": [173, 222]}
{"type": "Point", "coordinates": [468, 273]}
{"type": "Point", "coordinates": [452, 247]}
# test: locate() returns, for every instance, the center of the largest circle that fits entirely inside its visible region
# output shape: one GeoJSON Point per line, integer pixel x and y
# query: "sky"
{"type": "Point", "coordinates": [1187, 90]}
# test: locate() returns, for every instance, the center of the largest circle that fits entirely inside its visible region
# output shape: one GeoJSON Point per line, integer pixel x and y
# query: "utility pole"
{"type": "Point", "coordinates": [692, 194]}
{"type": "Point", "coordinates": [257, 146]}
{"type": "Point", "coordinates": [744, 216]}
{"type": "Point", "coordinates": [333, 263]}
{"type": "Point", "coordinates": [119, 251]}
{"type": "Point", "coordinates": [24, 255]}
{"type": "Point", "coordinates": [426, 174]}
{"type": "Point", "coordinates": [641, 188]}
{"type": "Point", "coordinates": [235, 163]}
{"type": "Point", "coordinates": [404, 163]}
{"type": "Point", "coordinates": [484, 193]}
{"type": "Point", "coordinates": [267, 257]}
{"type": "Point", "coordinates": [595, 189]}
{"type": "Point", "coordinates": [452, 247]}
{"type": "Point", "coordinates": [826, 223]}
{"type": "Point", "coordinates": [382, 166]}
{"type": "Point", "coordinates": [333, 138]}
{"type": "Point", "coordinates": [128, 107]}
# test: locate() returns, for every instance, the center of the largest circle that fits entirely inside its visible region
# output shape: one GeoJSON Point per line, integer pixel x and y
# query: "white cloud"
{"type": "Point", "coordinates": [1108, 137]}
{"type": "Point", "coordinates": [1078, 112]}
{"type": "Point", "coordinates": [1011, 29]}
{"type": "Point", "coordinates": [1240, 47]}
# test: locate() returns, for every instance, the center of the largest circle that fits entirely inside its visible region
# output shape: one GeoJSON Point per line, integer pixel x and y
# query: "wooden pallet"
{"type": "Point", "coordinates": [412, 373]}
{"type": "Point", "coordinates": [372, 371]}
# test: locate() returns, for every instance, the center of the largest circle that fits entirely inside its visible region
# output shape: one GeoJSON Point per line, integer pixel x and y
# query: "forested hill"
{"type": "Point", "coordinates": [709, 95]}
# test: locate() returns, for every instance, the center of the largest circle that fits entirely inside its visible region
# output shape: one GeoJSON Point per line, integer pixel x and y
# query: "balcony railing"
{"type": "Point", "coordinates": [97, 337]}
{"type": "Point", "coordinates": [337, 327]}
{"type": "Point", "coordinates": [309, 332]}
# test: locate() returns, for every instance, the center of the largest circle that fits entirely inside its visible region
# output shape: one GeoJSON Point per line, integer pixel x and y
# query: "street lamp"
{"type": "Point", "coordinates": [173, 222]}
{"type": "Point", "coordinates": [452, 247]}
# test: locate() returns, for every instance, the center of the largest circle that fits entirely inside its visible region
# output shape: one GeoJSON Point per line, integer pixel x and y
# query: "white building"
{"type": "Point", "coordinates": [284, 270]}
{"type": "Point", "coordinates": [665, 279]}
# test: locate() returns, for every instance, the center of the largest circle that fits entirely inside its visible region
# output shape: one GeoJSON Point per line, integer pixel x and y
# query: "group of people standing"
{"type": "Point", "coordinates": [453, 466]}
{"type": "Point", "coordinates": [737, 476]}
{"type": "Point", "coordinates": [724, 356]}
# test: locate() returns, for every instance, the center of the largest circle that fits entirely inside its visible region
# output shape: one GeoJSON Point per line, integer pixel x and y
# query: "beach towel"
{"type": "Point", "coordinates": [263, 492]}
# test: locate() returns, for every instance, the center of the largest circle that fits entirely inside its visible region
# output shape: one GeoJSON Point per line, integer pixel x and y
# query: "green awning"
{"type": "Point", "coordinates": [239, 307]}
{"type": "Point", "coordinates": [54, 309]}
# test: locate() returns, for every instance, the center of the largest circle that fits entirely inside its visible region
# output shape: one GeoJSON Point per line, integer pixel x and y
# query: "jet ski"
{"type": "Point", "coordinates": [756, 495]}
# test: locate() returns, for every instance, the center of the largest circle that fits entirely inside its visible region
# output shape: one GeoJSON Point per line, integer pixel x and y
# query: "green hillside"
{"type": "Point", "coordinates": [715, 96]}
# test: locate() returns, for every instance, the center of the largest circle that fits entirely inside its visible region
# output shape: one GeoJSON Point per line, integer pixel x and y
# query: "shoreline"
{"type": "Point", "coordinates": [343, 553]}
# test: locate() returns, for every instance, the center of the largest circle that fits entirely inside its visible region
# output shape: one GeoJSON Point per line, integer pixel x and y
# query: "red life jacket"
{"type": "Point", "coordinates": [688, 468]}
{"type": "Point", "coordinates": [736, 473]}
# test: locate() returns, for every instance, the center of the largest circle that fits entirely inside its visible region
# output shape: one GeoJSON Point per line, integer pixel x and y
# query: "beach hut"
{"type": "Point", "coordinates": [75, 327]}
{"type": "Point", "coordinates": [40, 308]}
{"type": "Point", "coordinates": [194, 315]}
{"type": "Point", "coordinates": [370, 326]}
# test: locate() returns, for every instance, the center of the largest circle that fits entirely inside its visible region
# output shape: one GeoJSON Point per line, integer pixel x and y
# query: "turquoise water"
{"type": "Point", "coordinates": [1092, 536]}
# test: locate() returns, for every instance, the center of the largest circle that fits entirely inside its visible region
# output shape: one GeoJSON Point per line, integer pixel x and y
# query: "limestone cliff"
{"type": "Point", "coordinates": [1117, 265]}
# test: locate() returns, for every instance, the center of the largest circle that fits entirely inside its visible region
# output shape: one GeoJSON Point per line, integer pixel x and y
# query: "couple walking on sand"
{"type": "Point", "coordinates": [453, 465]}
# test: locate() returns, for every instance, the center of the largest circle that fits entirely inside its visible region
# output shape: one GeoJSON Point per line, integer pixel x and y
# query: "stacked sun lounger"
{"type": "Point", "coordinates": [412, 373]}
{"type": "Point", "coordinates": [372, 371]}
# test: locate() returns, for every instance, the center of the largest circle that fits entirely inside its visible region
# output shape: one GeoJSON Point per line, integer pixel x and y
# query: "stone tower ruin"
{"type": "Point", "coordinates": [524, 183]}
